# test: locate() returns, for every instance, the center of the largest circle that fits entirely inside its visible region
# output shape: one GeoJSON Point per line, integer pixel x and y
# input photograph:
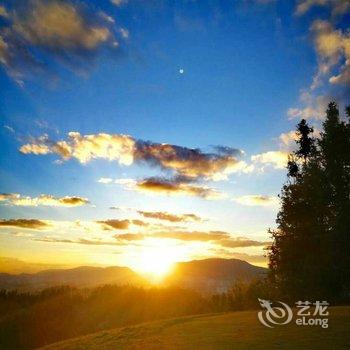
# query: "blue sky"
{"type": "Point", "coordinates": [195, 74]}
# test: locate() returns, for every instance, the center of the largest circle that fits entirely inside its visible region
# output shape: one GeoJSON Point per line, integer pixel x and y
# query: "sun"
{"type": "Point", "coordinates": [156, 260]}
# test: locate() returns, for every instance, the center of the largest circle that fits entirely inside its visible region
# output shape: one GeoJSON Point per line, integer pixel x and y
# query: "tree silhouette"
{"type": "Point", "coordinates": [310, 253]}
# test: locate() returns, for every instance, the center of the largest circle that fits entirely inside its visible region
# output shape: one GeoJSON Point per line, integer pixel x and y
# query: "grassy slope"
{"type": "Point", "coordinates": [237, 330]}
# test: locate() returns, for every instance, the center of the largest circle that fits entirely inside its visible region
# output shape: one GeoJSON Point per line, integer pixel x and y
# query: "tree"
{"type": "Point", "coordinates": [334, 147]}
{"type": "Point", "coordinates": [310, 253]}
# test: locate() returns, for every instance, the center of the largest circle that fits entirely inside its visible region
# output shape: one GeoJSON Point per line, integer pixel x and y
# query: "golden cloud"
{"type": "Point", "coordinates": [85, 148]}
{"type": "Point", "coordinates": [78, 241]}
{"type": "Point", "coordinates": [257, 200]}
{"type": "Point", "coordinates": [333, 47]}
{"type": "Point", "coordinates": [242, 242]}
{"type": "Point", "coordinates": [179, 235]}
{"type": "Point", "coordinates": [193, 235]}
{"type": "Point", "coordinates": [158, 185]}
{"type": "Point", "coordinates": [121, 224]}
{"type": "Point", "coordinates": [8, 196]}
{"type": "Point", "coordinates": [70, 201]}
{"type": "Point", "coordinates": [37, 148]}
{"type": "Point", "coordinates": [130, 237]}
{"type": "Point", "coordinates": [24, 223]}
{"type": "Point", "coordinates": [218, 238]}
{"type": "Point", "coordinates": [221, 238]}
{"type": "Point", "coordinates": [44, 199]}
{"type": "Point", "coordinates": [115, 224]}
{"type": "Point", "coordinates": [169, 217]}
{"type": "Point", "coordinates": [68, 32]}
{"type": "Point", "coordinates": [137, 222]}
{"type": "Point", "coordinates": [58, 24]}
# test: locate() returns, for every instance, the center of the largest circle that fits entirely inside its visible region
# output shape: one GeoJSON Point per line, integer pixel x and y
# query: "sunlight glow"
{"type": "Point", "coordinates": [156, 260]}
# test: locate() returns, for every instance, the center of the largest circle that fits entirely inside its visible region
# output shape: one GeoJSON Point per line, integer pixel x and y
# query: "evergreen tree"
{"type": "Point", "coordinates": [334, 147]}
{"type": "Point", "coordinates": [310, 254]}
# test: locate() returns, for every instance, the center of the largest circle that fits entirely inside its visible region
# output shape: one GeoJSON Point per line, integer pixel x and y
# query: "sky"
{"type": "Point", "coordinates": [141, 133]}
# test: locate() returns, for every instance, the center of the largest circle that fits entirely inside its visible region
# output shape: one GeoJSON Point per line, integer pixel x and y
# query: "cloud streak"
{"type": "Point", "coordinates": [157, 185]}
{"type": "Point", "coordinates": [172, 187]}
{"type": "Point", "coordinates": [221, 238]}
{"type": "Point", "coordinates": [66, 232]}
{"type": "Point", "coordinates": [178, 235]}
{"type": "Point", "coordinates": [25, 223]}
{"type": "Point", "coordinates": [83, 241]}
{"type": "Point", "coordinates": [122, 224]}
{"type": "Point", "coordinates": [257, 200]}
{"type": "Point", "coordinates": [169, 217]}
{"type": "Point", "coordinates": [43, 200]}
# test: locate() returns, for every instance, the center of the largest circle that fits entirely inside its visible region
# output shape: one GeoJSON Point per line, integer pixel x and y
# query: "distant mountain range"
{"type": "Point", "coordinates": [206, 276]}
{"type": "Point", "coordinates": [84, 276]}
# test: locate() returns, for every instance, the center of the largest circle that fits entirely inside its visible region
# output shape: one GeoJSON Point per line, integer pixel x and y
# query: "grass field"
{"type": "Point", "coordinates": [236, 330]}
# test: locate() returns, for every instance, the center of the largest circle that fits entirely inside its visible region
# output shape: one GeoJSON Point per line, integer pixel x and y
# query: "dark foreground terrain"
{"type": "Point", "coordinates": [236, 330]}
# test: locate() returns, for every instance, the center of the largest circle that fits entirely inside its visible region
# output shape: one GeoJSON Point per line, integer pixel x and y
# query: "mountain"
{"type": "Point", "coordinates": [84, 276]}
{"type": "Point", "coordinates": [205, 276]}
{"type": "Point", "coordinates": [16, 266]}
{"type": "Point", "coordinates": [213, 275]}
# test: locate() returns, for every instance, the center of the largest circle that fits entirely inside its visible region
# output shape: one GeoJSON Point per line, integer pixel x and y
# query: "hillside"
{"type": "Point", "coordinates": [238, 330]}
{"type": "Point", "coordinates": [213, 275]}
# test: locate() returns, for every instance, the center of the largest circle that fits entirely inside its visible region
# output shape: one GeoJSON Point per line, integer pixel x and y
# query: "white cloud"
{"type": "Point", "coordinates": [124, 33]}
{"type": "Point", "coordinates": [125, 181]}
{"type": "Point", "coordinates": [287, 139]}
{"type": "Point", "coordinates": [314, 107]}
{"type": "Point", "coordinates": [276, 159]}
{"type": "Point", "coordinates": [105, 180]}
{"type": "Point", "coordinates": [182, 161]}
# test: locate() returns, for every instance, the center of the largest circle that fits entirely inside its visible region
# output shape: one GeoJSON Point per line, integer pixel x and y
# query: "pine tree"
{"type": "Point", "coordinates": [334, 147]}
{"type": "Point", "coordinates": [290, 263]}
{"type": "Point", "coordinates": [310, 254]}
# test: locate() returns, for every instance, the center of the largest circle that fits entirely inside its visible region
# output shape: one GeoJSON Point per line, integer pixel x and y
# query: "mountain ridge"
{"type": "Point", "coordinates": [206, 275]}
